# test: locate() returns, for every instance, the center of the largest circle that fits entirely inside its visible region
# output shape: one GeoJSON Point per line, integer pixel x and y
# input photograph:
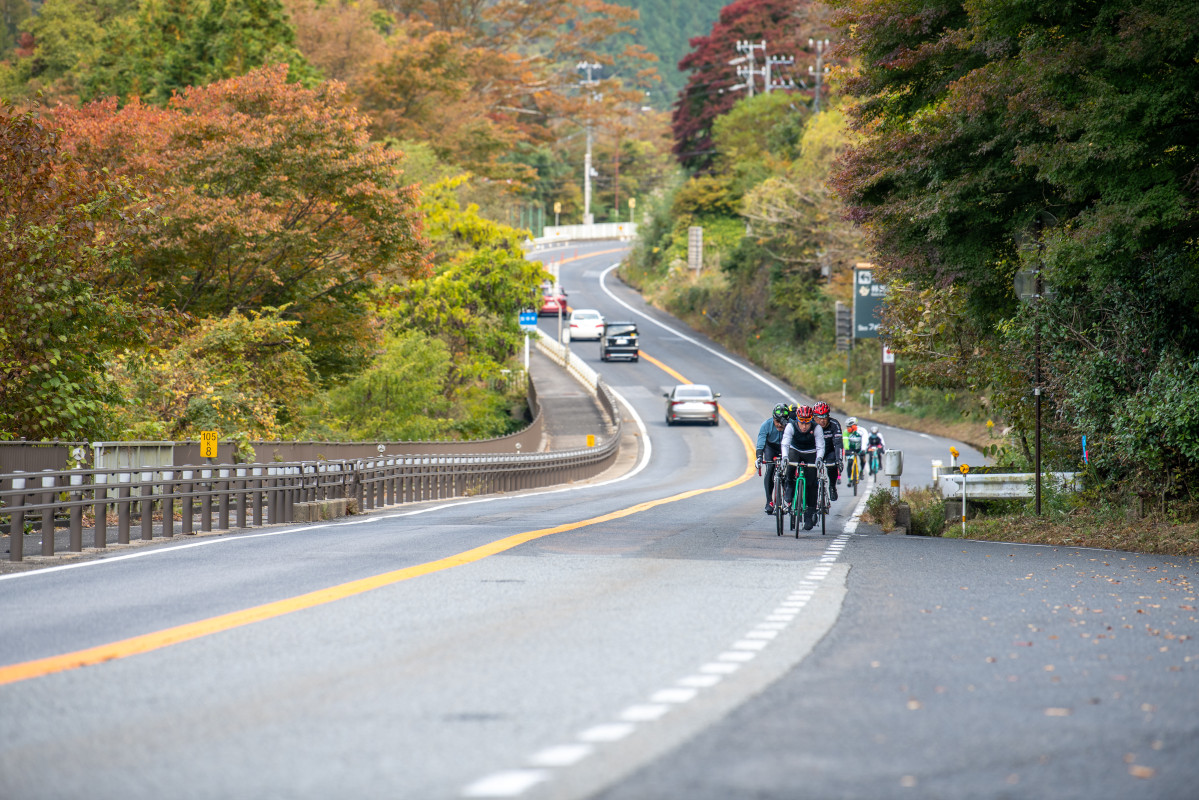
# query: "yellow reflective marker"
{"type": "Point", "coordinates": [236, 619]}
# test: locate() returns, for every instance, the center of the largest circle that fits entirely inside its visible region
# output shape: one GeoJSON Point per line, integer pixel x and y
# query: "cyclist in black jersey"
{"type": "Point", "coordinates": [804, 445]}
{"type": "Point", "coordinates": [833, 446]}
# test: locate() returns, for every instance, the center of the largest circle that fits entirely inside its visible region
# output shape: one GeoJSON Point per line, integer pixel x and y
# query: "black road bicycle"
{"type": "Point", "coordinates": [823, 504]}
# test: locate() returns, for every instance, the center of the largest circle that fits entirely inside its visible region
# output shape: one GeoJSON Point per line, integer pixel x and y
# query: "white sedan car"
{"type": "Point", "coordinates": [586, 323]}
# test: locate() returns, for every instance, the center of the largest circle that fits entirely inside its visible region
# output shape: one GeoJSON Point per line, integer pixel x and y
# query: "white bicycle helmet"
{"type": "Point", "coordinates": [874, 429]}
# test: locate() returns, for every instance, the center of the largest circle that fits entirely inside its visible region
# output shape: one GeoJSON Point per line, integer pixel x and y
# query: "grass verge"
{"type": "Point", "coordinates": [1107, 529]}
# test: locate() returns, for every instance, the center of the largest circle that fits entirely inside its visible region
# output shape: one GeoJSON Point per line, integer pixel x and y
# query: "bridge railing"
{"type": "Point", "coordinates": [600, 231]}
{"type": "Point", "coordinates": [161, 502]}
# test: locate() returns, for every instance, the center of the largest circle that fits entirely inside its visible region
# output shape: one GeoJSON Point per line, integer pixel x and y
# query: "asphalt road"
{"type": "Point", "coordinates": [638, 637]}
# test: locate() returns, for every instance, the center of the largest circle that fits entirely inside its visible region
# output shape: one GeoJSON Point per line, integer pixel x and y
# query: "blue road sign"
{"type": "Point", "coordinates": [528, 319]}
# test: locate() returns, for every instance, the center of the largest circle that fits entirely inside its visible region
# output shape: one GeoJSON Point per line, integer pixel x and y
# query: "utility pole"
{"type": "Point", "coordinates": [820, 70]}
{"type": "Point", "coordinates": [749, 70]}
{"type": "Point", "coordinates": [778, 61]}
{"type": "Point", "coordinates": [587, 216]}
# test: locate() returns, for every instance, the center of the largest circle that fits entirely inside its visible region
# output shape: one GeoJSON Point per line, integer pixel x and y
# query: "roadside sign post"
{"type": "Point", "coordinates": [209, 445]}
{"type": "Point", "coordinates": [528, 321]}
{"type": "Point", "coordinates": [888, 376]}
{"type": "Point", "coordinates": [868, 298]}
{"type": "Point", "coordinates": [965, 468]}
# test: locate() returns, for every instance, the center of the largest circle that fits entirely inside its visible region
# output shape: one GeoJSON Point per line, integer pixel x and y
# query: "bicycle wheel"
{"type": "Point", "coordinates": [801, 492]}
{"type": "Point", "coordinates": [823, 505]}
{"type": "Point", "coordinates": [779, 514]}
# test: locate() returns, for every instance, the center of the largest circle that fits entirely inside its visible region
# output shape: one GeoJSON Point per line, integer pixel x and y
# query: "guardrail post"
{"type": "Point", "coordinates": [100, 510]}
{"type": "Point", "coordinates": [146, 490]}
{"type": "Point", "coordinates": [289, 495]}
{"type": "Point", "coordinates": [360, 486]}
{"type": "Point", "coordinates": [48, 482]}
{"type": "Point", "coordinates": [76, 498]}
{"type": "Point", "coordinates": [206, 500]}
{"type": "Point", "coordinates": [188, 502]}
{"type": "Point", "coordinates": [16, 531]}
{"type": "Point", "coordinates": [223, 518]}
{"type": "Point", "coordinates": [272, 495]}
{"type": "Point", "coordinates": [123, 508]}
{"type": "Point", "coordinates": [256, 496]}
{"type": "Point", "coordinates": [241, 485]}
{"type": "Point", "coordinates": [168, 503]}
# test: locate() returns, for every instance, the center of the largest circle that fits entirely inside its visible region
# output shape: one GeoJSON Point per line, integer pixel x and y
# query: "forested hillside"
{"type": "Point", "coordinates": [665, 29]}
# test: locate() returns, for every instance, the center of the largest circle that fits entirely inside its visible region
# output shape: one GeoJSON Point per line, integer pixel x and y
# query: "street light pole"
{"type": "Point", "coordinates": [587, 216]}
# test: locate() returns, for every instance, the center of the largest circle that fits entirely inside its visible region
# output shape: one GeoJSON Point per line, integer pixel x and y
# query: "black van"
{"type": "Point", "coordinates": [619, 341]}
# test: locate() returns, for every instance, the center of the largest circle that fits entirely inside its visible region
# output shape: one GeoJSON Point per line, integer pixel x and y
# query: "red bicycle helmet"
{"type": "Point", "coordinates": [804, 413]}
{"type": "Point", "coordinates": [821, 410]}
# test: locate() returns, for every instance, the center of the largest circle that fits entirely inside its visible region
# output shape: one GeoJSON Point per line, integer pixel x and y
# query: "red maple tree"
{"type": "Point", "coordinates": [785, 26]}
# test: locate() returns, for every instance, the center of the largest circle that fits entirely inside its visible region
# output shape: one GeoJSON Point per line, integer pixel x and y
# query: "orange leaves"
{"type": "Point", "coordinates": [272, 194]}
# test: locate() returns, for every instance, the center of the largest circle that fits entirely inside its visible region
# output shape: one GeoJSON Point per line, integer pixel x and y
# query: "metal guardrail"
{"type": "Point", "coordinates": [250, 495]}
{"type": "Point", "coordinates": [1003, 485]}
{"type": "Point", "coordinates": [579, 369]}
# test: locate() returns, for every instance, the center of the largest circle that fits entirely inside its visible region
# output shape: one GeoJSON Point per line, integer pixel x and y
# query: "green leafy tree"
{"type": "Point", "coordinates": [1043, 136]}
{"type": "Point", "coordinates": [12, 14]}
{"type": "Point", "coordinates": [154, 48]}
{"type": "Point", "coordinates": [244, 375]}
{"type": "Point", "coordinates": [67, 300]}
{"type": "Point", "coordinates": [401, 396]}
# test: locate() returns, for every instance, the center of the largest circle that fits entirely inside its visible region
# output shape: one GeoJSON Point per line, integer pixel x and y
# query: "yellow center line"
{"type": "Point", "coordinates": [236, 619]}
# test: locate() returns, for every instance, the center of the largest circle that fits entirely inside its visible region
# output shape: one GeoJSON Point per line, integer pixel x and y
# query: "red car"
{"type": "Point", "coordinates": [553, 303]}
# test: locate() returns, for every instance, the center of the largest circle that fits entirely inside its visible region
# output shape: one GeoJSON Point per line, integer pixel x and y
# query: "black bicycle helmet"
{"type": "Point", "coordinates": [781, 411]}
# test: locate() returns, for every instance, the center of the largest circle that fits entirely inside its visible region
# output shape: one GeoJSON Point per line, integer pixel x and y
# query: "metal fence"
{"type": "Point", "coordinates": [245, 495]}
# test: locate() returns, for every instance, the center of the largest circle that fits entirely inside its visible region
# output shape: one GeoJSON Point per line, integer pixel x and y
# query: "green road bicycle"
{"type": "Point", "coordinates": [875, 461]}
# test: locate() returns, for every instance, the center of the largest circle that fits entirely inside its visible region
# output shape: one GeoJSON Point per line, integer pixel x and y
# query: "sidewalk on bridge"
{"type": "Point", "coordinates": [571, 412]}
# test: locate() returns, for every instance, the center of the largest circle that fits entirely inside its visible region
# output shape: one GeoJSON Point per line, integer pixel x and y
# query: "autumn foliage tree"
{"type": "Point", "coordinates": [272, 195]}
{"type": "Point", "coordinates": [785, 26]}
{"type": "Point", "coordinates": [68, 297]}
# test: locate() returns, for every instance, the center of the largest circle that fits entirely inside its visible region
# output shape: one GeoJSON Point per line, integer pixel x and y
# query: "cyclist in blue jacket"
{"type": "Point", "coordinates": [770, 439]}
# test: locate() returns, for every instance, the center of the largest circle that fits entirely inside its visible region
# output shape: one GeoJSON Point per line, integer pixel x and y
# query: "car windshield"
{"type": "Point", "coordinates": [585, 315]}
{"type": "Point", "coordinates": [693, 393]}
{"type": "Point", "coordinates": [622, 330]}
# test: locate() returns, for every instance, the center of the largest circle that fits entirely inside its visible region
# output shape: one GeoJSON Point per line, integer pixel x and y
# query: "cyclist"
{"type": "Point", "coordinates": [853, 442]}
{"type": "Point", "coordinates": [875, 442]}
{"type": "Point", "coordinates": [832, 446]}
{"type": "Point", "coordinates": [801, 443]}
{"type": "Point", "coordinates": [770, 440]}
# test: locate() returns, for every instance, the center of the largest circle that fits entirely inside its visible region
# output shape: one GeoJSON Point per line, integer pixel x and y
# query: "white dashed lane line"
{"type": "Point", "coordinates": [515, 782]}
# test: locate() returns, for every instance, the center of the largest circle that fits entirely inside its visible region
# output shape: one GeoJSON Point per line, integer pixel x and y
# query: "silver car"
{"type": "Point", "coordinates": [692, 402]}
